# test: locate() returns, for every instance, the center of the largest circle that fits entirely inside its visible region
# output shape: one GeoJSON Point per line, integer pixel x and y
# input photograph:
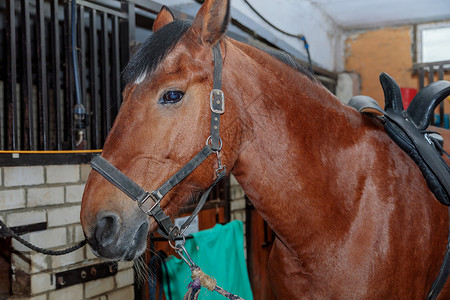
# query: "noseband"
{"type": "Point", "coordinates": [149, 202]}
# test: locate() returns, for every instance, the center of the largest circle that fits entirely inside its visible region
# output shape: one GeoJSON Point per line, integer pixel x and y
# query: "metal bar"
{"type": "Point", "coordinates": [430, 75]}
{"type": "Point", "coordinates": [106, 95]}
{"type": "Point", "coordinates": [441, 72]}
{"type": "Point", "coordinates": [42, 74]}
{"type": "Point", "coordinates": [56, 63]}
{"type": "Point", "coordinates": [442, 105]}
{"type": "Point", "coordinates": [82, 53]}
{"type": "Point", "coordinates": [430, 80]}
{"type": "Point", "coordinates": [69, 79]}
{"type": "Point", "coordinates": [103, 9]}
{"type": "Point", "coordinates": [11, 75]}
{"type": "Point", "coordinates": [418, 66]}
{"type": "Point", "coordinates": [27, 84]}
{"type": "Point", "coordinates": [421, 78]}
{"type": "Point", "coordinates": [93, 77]}
{"type": "Point", "coordinates": [116, 66]}
{"type": "Point", "coordinates": [127, 31]}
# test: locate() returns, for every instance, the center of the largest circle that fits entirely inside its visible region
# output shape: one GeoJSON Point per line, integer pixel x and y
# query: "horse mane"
{"type": "Point", "coordinates": [160, 43]}
{"type": "Point", "coordinates": [289, 60]}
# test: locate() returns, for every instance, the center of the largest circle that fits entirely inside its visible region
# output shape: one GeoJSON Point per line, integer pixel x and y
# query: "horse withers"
{"type": "Point", "coordinates": [353, 216]}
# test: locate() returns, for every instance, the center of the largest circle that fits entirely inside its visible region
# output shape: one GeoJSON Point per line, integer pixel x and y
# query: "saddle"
{"type": "Point", "coordinates": [409, 129]}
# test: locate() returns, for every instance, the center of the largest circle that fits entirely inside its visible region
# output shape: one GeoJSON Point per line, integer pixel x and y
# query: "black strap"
{"type": "Point", "coordinates": [444, 272]}
{"type": "Point", "coordinates": [113, 175]}
{"type": "Point", "coordinates": [424, 148]}
{"type": "Point", "coordinates": [137, 193]}
{"type": "Point", "coordinates": [187, 169]}
{"type": "Point", "coordinates": [217, 100]}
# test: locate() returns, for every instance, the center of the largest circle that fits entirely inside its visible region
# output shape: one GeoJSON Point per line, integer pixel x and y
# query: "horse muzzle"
{"type": "Point", "coordinates": [114, 238]}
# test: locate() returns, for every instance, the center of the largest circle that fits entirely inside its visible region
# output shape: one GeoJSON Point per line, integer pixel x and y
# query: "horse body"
{"type": "Point", "coordinates": [349, 206]}
{"type": "Point", "coordinates": [353, 216]}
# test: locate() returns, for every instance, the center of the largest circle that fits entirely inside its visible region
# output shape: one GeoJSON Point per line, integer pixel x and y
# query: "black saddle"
{"type": "Point", "coordinates": [408, 128]}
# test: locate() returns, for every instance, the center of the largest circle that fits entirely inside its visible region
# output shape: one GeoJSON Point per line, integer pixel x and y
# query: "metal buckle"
{"type": "Point", "coordinates": [208, 142]}
{"type": "Point", "coordinates": [217, 101]}
{"type": "Point", "coordinates": [153, 198]}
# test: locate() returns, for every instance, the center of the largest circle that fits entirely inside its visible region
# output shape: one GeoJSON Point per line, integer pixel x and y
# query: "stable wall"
{"type": "Point", "coordinates": [52, 194]}
{"type": "Point", "coordinates": [390, 50]}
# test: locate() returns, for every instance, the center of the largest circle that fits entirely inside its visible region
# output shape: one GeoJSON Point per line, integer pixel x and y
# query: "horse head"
{"type": "Point", "coordinates": [163, 122]}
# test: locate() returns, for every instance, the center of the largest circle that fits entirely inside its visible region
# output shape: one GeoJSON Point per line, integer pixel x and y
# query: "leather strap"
{"type": "Point", "coordinates": [122, 182]}
{"type": "Point", "coordinates": [426, 151]}
{"type": "Point", "coordinates": [444, 272]}
{"type": "Point", "coordinates": [217, 100]}
{"type": "Point", "coordinates": [187, 169]}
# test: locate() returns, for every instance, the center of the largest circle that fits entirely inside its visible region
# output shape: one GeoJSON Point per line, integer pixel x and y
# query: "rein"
{"type": "Point", "coordinates": [149, 202]}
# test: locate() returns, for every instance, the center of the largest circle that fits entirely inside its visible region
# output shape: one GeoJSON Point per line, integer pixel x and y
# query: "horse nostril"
{"type": "Point", "coordinates": [107, 228]}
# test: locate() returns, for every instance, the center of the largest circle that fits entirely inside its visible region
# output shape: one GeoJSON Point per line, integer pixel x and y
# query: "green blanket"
{"type": "Point", "coordinates": [219, 252]}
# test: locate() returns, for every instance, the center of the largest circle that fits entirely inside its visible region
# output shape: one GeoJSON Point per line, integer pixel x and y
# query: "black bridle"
{"type": "Point", "coordinates": [149, 202]}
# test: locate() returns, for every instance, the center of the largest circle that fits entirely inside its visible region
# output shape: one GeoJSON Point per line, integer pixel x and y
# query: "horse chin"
{"type": "Point", "coordinates": [127, 248]}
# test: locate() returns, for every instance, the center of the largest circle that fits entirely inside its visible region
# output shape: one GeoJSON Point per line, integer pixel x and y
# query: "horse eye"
{"type": "Point", "coordinates": [171, 97]}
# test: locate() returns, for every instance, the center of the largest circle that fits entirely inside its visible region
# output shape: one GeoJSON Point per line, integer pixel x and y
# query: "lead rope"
{"type": "Point", "coordinates": [199, 278]}
{"type": "Point", "coordinates": [15, 236]}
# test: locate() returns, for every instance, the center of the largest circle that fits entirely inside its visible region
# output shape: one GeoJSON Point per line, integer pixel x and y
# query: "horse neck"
{"type": "Point", "coordinates": [293, 129]}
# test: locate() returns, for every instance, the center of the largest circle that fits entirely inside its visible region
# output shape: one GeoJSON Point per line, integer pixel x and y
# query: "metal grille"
{"type": "Point", "coordinates": [429, 71]}
{"type": "Point", "coordinates": [37, 81]}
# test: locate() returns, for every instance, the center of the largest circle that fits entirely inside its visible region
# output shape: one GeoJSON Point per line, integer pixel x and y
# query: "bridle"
{"type": "Point", "coordinates": [149, 202]}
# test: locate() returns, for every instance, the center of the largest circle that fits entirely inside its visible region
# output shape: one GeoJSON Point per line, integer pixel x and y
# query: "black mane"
{"type": "Point", "coordinates": [160, 43]}
{"type": "Point", "coordinates": [154, 50]}
{"type": "Point", "coordinates": [288, 60]}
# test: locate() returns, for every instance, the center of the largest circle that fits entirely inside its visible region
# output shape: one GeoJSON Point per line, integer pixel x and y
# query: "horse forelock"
{"type": "Point", "coordinates": [154, 50]}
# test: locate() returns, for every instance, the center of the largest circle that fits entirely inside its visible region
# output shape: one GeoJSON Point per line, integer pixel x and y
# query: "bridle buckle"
{"type": "Point", "coordinates": [217, 101]}
{"type": "Point", "coordinates": [151, 196]}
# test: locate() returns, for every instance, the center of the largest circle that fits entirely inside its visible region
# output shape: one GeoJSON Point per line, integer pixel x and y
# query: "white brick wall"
{"type": "Point", "coordinates": [12, 199]}
{"type": "Point", "coordinates": [44, 196]}
{"type": "Point", "coordinates": [27, 217]}
{"type": "Point", "coordinates": [63, 174]}
{"type": "Point", "coordinates": [97, 287]}
{"type": "Point", "coordinates": [46, 239]}
{"type": "Point", "coordinates": [67, 259]}
{"type": "Point", "coordinates": [75, 234]}
{"type": "Point", "coordinates": [124, 278]}
{"type": "Point", "coordinates": [42, 282]}
{"type": "Point", "coordinates": [39, 262]}
{"type": "Point", "coordinates": [64, 215]}
{"type": "Point", "coordinates": [53, 194]}
{"type": "Point", "coordinates": [237, 205]}
{"type": "Point", "coordinates": [21, 176]}
{"type": "Point", "coordinates": [74, 292]}
{"type": "Point", "coordinates": [74, 193]}
{"type": "Point", "coordinates": [122, 294]}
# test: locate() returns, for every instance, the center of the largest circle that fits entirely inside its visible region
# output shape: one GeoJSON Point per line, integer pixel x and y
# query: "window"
{"type": "Point", "coordinates": [433, 42]}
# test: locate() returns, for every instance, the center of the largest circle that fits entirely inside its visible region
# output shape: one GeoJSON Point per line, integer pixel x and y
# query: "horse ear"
{"type": "Point", "coordinates": [164, 17]}
{"type": "Point", "coordinates": [212, 20]}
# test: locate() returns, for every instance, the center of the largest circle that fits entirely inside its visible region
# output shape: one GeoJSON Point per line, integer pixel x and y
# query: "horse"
{"type": "Point", "coordinates": [352, 214]}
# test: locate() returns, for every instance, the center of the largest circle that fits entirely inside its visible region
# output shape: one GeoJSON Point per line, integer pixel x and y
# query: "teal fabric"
{"type": "Point", "coordinates": [219, 252]}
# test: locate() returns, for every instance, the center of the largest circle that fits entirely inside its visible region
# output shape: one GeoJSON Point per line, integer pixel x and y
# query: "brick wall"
{"type": "Point", "coordinates": [237, 204]}
{"type": "Point", "coordinates": [389, 50]}
{"type": "Point", "coordinates": [52, 194]}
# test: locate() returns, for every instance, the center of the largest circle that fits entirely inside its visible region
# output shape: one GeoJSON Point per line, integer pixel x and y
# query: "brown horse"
{"type": "Point", "coordinates": [353, 215]}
